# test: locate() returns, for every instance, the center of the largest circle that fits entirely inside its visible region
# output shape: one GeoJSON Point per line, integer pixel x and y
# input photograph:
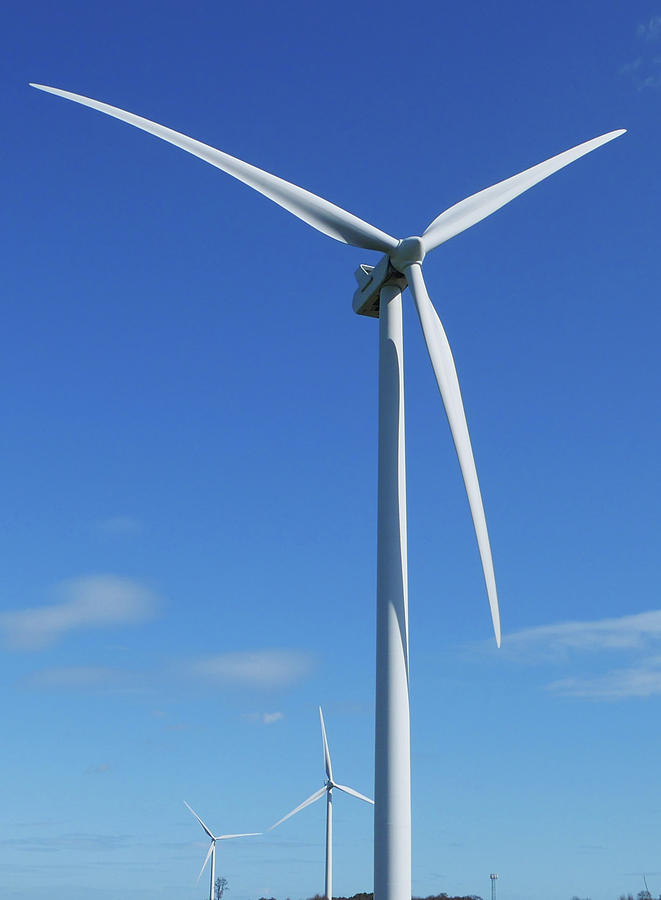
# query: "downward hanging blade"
{"type": "Point", "coordinates": [478, 206]}
{"type": "Point", "coordinates": [348, 790]}
{"type": "Point", "coordinates": [315, 796]}
{"type": "Point", "coordinates": [448, 383]}
{"type": "Point", "coordinates": [212, 847]}
{"type": "Point", "coordinates": [200, 821]}
{"type": "Point", "coordinates": [327, 759]}
{"type": "Point", "coordinates": [315, 211]}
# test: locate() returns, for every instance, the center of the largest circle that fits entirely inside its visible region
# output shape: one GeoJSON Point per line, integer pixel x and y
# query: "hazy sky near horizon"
{"type": "Point", "coordinates": [189, 448]}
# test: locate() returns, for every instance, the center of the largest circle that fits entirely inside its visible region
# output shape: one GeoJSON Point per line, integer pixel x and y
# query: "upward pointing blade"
{"type": "Point", "coordinates": [478, 206]}
{"type": "Point", "coordinates": [317, 212]}
{"type": "Point", "coordinates": [448, 383]}
{"type": "Point", "coordinates": [200, 821]}
{"type": "Point", "coordinates": [327, 759]}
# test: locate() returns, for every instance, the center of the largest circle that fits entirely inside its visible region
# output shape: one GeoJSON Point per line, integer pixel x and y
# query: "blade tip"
{"type": "Point", "coordinates": [616, 134]}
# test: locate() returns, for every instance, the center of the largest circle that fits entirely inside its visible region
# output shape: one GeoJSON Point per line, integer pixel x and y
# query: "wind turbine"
{"type": "Point", "coordinates": [327, 789]}
{"type": "Point", "coordinates": [379, 295]}
{"type": "Point", "coordinates": [212, 848]}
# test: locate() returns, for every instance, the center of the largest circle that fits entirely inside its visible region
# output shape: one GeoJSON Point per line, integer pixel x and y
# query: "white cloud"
{"type": "Point", "coordinates": [265, 718]}
{"type": "Point", "coordinates": [95, 601]}
{"type": "Point", "coordinates": [635, 640]}
{"type": "Point", "coordinates": [254, 669]}
{"type": "Point", "coordinates": [653, 78]}
{"type": "Point", "coordinates": [76, 678]}
{"type": "Point", "coordinates": [623, 633]}
{"type": "Point", "coordinates": [645, 71]}
{"type": "Point", "coordinates": [642, 679]}
{"type": "Point", "coordinates": [101, 769]}
{"type": "Point", "coordinates": [120, 525]}
{"type": "Point", "coordinates": [632, 67]}
{"type": "Point", "coordinates": [651, 30]}
{"type": "Point", "coordinates": [74, 841]}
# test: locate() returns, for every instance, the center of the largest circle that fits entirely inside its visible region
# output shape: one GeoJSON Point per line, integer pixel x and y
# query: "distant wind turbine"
{"type": "Point", "coordinates": [327, 789]}
{"type": "Point", "coordinates": [212, 847]}
{"type": "Point", "coordinates": [379, 295]}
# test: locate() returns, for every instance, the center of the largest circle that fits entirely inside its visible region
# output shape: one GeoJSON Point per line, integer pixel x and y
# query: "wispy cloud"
{"type": "Point", "coordinates": [645, 70]}
{"type": "Point", "coordinates": [635, 640]}
{"type": "Point", "coordinates": [77, 678]}
{"type": "Point", "coordinates": [266, 718]}
{"type": "Point", "coordinates": [644, 73]}
{"type": "Point", "coordinates": [101, 769]}
{"type": "Point", "coordinates": [72, 841]}
{"type": "Point", "coordinates": [642, 679]}
{"type": "Point", "coordinates": [120, 525]}
{"type": "Point", "coordinates": [650, 31]}
{"type": "Point", "coordinates": [254, 669]}
{"type": "Point", "coordinates": [258, 670]}
{"type": "Point", "coordinates": [624, 633]}
{"type": "Point", "coordinates": [95, 601]}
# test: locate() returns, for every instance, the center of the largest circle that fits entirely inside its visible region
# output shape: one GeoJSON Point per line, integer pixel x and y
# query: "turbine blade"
{"type": "Point", "coordinates": [315, 211]}
{"type": "Point", "coordinates": [478, 206]}
{"type": "Point", "coordinates": [327, 759]}
{"type": "Point", "coordinates": [448, 383]}
{"type": "Point", "coordinates": [206, 860]}
{"type": "Point", "coordinates": [226, 837]}
{"type": "Point", "coordinates": [200, 821]}
{"type": "Point", "coordinates": [315, 796]}
{"type": "Point", "coordinates": [348, 790]}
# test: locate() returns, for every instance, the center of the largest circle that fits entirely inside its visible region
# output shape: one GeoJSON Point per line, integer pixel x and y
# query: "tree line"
{"type": "Point", "coordinates": [370, 896]}
{"type": "Point", "coordinates": [222, 886]}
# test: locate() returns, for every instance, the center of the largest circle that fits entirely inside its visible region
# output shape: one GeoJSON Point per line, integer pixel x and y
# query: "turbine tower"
{"type": "Point", "coordinates": [327, 789]}
{"type": "Point", "coordinates": [380, 295]}
{"type": "Point", "coordinates": [212, 848]}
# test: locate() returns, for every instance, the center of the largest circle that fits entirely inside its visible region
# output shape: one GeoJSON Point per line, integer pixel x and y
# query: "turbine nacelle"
{"type": "Point", "coordinates": [389, 270]}
{"type": "Point", "coordinates": [370, 281]}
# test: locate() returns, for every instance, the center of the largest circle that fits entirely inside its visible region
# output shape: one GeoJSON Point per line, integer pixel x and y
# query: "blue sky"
{"type": "Point", "coordinates": [189, 447]}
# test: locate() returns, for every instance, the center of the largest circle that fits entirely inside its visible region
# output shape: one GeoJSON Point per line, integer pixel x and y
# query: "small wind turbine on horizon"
{"type": "Point", "coordinates": [212, 847]}
{"type": "Point", "coordinates": [379, 295]}
{"type": "Point", "coordinates": [327, 789]}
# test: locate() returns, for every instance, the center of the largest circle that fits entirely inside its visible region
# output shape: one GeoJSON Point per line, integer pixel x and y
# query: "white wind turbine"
{"type": "Point", "coordinates": [379, 295]}
{"type": "Point", "coordinates": [327, 789]}
{"type": "Point", "coordinates": [212, 847]}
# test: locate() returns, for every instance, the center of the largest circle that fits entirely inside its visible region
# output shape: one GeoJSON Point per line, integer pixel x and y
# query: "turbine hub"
{"type": "Point", "coordinates": [409, 251]}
